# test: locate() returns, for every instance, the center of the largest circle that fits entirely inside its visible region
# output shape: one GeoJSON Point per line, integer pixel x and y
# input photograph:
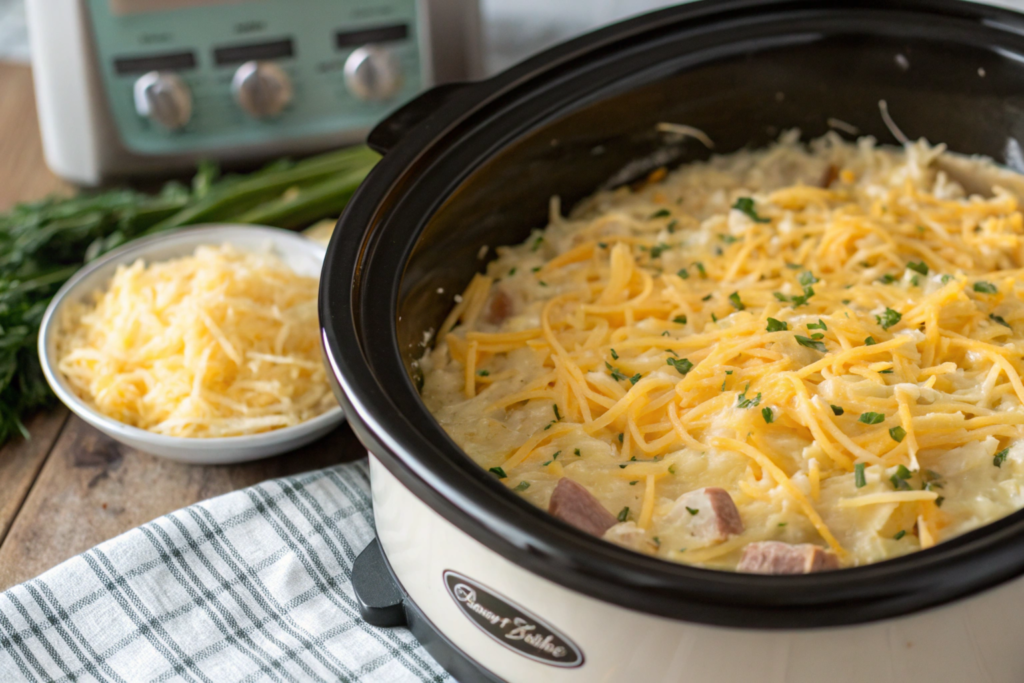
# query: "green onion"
{"type": "Point", "coordinates": [498, 472]}
{"type": "Point", "coordinates": [679, 319]}
{"type": "Point", "coordinates": [1000, 457]}
{"type": "Point", "coordinates": [899, 535]}
{"type": "Point", "coordinates": [837, 410]}
{"type": "Point", "coordinates": [692, 511]}
{"type": "Point", "coordinates": [872, 418]}
{"type": "Point", "coordinates": [897, 433]}
{"type": "Point", "coordinates": [869, 341]}
{"type": "Point", "coordinates": [985, 287]}
{"type": "Point", "coordinates": [859, 479]}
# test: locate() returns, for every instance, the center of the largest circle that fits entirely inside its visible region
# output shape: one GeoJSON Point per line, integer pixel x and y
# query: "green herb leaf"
{"type": "Point", "coordinates": [869, 341]}
{"type": "Point", "coordinates": [558, 416]}
{"type": "Point", "coordinates": [661, 213]}
{"type": "Point", "coordinates": [657, 249]}
{"type": "Point", "coordinates": [498, 472]}
{"type": "Point", "coordinates": [919, 267]}
{"type": "Point", "coordinates": [615, 356]}
{"type": "Point", "coordinates": [672, 226]}
{"type": "Point", "coordinates": [692, 511]}
{"type": "Point", "coordinates": [767, 414]}
{"type": "Point", "coordinates": [807, 278]}
{"type": "Point", "coordinates": [522, 486]}
{"type": "Point", "coordinates": [939, 501]}
{"type": "Point", "coordinates": [700, 269]}
{"type": "Point", "coordinates": [985, 287]}
{"type": "Point", "coordinates": [617, 374]}
{"type": "Point", "coordinates": [999, 319]}
{"type": "Point", "coordinates": [679, 319]}
{"type": "Point", "coordinates": [900, 534]}
{"type": "Point", "coordinates": [897, 433]}
{"type": "Point", "coordinates": [820, 325]}
{"type": "Point", "coordinates": [887, 279]}
{"type": "Point", "coordinates": [1000, 457]}
{"type": "Point", "coordinates": [746, 205]}
{"type": "Point", "coordinates": [483, 373]}
{"type": "Point", "coordinates": [872, 418]}
{"type": "Point", "coordinates": [859, 479]}
{"type": "Point", "coordinates": [734, 299]}
{"type": "Point", "coordinates": [743, 402]}
{"type": "Point", "coordinates": [811, 344]}
{"type": "Point", "coordinates": [837, 410]}
{"type": "Point", "coordinates": [635, 378]}
{"type": "Point", "coordinates": [728, 239]}
{"type": "Point", "coordinates": [946, 278]}
{"type": "Point", "coordinates": [889, 318]}
{"type": "Point", "coordinates": [620, 437]}
{"type": "Point", "coordinates": [777, 325]}
{"type": "Point", "coordinates": [623, 513]}
{"type": "Point", "coordinates": [536, 243]}
{"type": "Point", "coordinates": [682, 365]}
{"type": "Point", "coordinates": [683, 273]}
{"type": "Point", "coordinates": [512, 272]}
{"type": "Point", "coordinates": [708, 297]}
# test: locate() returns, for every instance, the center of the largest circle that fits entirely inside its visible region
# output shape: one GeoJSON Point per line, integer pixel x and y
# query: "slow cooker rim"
{"type": "Point", "coordinates": [537, 541]}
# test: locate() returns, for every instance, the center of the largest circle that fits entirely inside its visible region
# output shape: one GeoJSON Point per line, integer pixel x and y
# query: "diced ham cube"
{"type": "Point", "coordinates": [574, 504]}
{"type": "Point", "coordinates": [709, 514]}
{"type": "Point", "coordinates": [499, 307]}
{"type": "Point", "coordinates": [629, 535]}
{"type": "Point", "coordinates": [776, 557]}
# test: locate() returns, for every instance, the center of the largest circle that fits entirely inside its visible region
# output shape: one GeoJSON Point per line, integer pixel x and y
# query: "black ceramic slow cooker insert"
{"type": "Point", "coordinates": [474, 165]}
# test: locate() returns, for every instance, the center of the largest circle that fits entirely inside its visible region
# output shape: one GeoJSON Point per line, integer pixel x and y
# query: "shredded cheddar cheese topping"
{"type": "Point", "coordinates": [221, 343]}
{"type": "Point", "coordinates": [844, 360]}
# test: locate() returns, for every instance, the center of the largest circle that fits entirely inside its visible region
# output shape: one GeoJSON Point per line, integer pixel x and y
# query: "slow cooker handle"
{"type": "Point", "coordinates": [391, 130]}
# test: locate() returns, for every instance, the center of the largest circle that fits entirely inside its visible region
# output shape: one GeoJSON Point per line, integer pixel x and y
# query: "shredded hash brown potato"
{"type": "Point", "coordinates": [830, 333]}
{"type": "Point", "coordinates": [221, 343]}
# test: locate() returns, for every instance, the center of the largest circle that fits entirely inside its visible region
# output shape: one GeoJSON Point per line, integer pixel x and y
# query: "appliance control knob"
{"type": "Point", "coordinates": [373, 73]}
{"type": "Point", "coordinates": [164, 98]}
{"type": "Point", "coordinates": [262, 89]}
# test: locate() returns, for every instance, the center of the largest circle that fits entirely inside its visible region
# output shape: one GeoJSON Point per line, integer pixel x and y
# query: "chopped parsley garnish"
{"type": "Point", "coordinates": [679, 319]}
{"type": "Point", "coordinates": [617, 374]}
{"type": "Point", "coordinates": [623, 513]}
{"type": "Point", "coordinates": [708, 297]}
{"type": "Point", "coordinates": [634, 482]}
{"type": "Point", "coordinates": [939, 500]}
{"type": "Point", "coordinates": [946, 278]}
{"type": "Point", "coordinates": [661, 213]}
{"type": "Point", "coordinates": [872, 418]}
{"type": "Point", "coordinates": [793, 266]}
{"type": "Point", "coordinates": [727, 238]}
{"type": "Point", "coordinates": [535, 269]}
{"type": "Point", "coordinates": [889, 318]}
{"type": "Point", "coordinates": [657, 249]}
{"type": "Point", "coordinates": [671, 469]}
{"type": "Point", "coordinates": [682, 365]}
{"type": "Point", "coordinates": [903, 473]}
{"type": "Point", "coordinates": [635, 378]}
{"type": "Point", "coordinates": [620, 437]}
{"type": "Point", "coordinates": [743, 402]}
{"type": "Point", "coordinates": [811, 343]}
{"type": "Point", "coordinates": [542, 283]}
{"type": "Point", "coordinates": [999, 319]}
{"type": "Point", "coordinates": [897, 433]}
{"type": "Point", "coordinates": [797, 300]}
{"type": "Point", "coordinates": [672, 225]}
{"type": "Point", "coordinates": [522, 486]}
{"type": "Point", "coordinates": [887, 279]}
{"type": "Point", "coordinates": [536, 243]}
{"type": "Point", "coordinates": [1000, 457]}
{"type": "Point", "coordinates": [858, 476]}
{"type": "Point", "coordinates": [869, 341]}
{"type": "Point", "coordinates": [700, 269]}
{"type": "Point", "coordinates": [899, 479]}
{"type": "Point", "coordinates": [682, 272]}
{"type": "Point", "coordinates": [746, 205]}
{"type": "Point", "coordinates": [615, 356]}
{"type": "Point", "coordinates": [665, 333]}
{"type": "Point", "coordinates": [900, 534]}
{"type": "Point", "coordinates": [692, 511]}
{"type": "Point", "coordinates": [919, 267]}
{"type": "Point", "coordinates": [498, 472]}
{"type": "Point", "coordinates": [807, 278]}
{"type": "Point", "coordinates": [714, 318]}
{"type": "Point", "coordinates": [777, 325]}
{"type": "Point", "coordinates": [577, 452]}
{"type": "Point", "coordinates": [782, 523]}
{"type": "Point", "coordinates": [767, 414]}
{"type": "Point", "coordinates": [820, 325]}
{"type": "Point", "coordinates": [885, 372]}
{"type": "Point", "coordinates": [734, 299]}
{"type": "Point", "coordinates": [837, 410]}
{"type": "Point", "coordinates": [483, 373]}
{"type": "Point", "coordinates": [915, 281]}
{"type": "Point", "coordinates": [558, 416]}
{"type": "Point", "coordinates": [817, 335]}
{"type": "Point", "coordinates": [512, 272]}
{"type": "Point", "coordinates": [985, 287]}
{"type": "Point", "coordinates": [603, 245]}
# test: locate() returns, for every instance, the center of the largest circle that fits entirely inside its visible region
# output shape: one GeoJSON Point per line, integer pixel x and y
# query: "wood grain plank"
{"type": "Point", "coordinates": [93, 488]}
{"type": "Point", "coordinates": [21, 460]}
{"type": "Point", "coordinates": [23, 173]}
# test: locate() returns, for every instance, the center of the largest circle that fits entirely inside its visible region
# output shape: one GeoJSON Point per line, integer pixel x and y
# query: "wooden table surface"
{"type": "Point", "coordinates": [70, 487]}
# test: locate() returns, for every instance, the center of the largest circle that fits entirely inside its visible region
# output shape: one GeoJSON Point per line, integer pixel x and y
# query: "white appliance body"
{"type": "Point", "coordinates": [238, 81]}
{"type": "Point", "coordinates": [973, 639]}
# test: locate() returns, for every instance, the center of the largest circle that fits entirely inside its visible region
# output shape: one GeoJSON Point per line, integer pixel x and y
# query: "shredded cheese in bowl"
{"type": "Point", "coordinates": [777, 361]}
{"type": "Point", "coordinates": [221, 343]}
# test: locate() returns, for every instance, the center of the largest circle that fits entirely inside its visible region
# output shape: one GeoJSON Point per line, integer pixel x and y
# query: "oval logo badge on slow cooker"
{"type": "Point", "coordinates": [509, 624]}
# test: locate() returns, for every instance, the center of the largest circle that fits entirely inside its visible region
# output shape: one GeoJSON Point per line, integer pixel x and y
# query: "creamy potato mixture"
{"type": "Point", "coordinates": [780, 361]}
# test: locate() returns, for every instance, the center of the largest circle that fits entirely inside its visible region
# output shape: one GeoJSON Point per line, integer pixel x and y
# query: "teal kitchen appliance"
{"type": "Point", "coordinates": [151, 86]}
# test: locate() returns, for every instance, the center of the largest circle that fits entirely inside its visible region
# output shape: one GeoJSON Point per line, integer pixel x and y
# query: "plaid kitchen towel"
{"type": "Point", "coordinates": [251, 586]}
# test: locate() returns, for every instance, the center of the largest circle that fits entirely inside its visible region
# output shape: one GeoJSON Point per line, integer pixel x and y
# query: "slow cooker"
{"type": "Point", "coordinates": [495, 588]}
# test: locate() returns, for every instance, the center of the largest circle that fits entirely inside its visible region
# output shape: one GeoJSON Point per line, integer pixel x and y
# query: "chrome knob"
{"type": "Point", "coordinates": [262, 89]}
{"type": "Point", "coordinates": [164, 98]}
{"type": "Point", "coordinates": [373, 73]}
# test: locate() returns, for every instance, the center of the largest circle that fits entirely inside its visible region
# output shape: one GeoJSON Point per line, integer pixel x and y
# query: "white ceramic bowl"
{"type": "Point", "coordinates": [304, 256]}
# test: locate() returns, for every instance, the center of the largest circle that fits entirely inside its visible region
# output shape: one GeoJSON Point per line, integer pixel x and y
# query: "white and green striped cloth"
{"type": "Point", "coordinates": [251, 586]}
